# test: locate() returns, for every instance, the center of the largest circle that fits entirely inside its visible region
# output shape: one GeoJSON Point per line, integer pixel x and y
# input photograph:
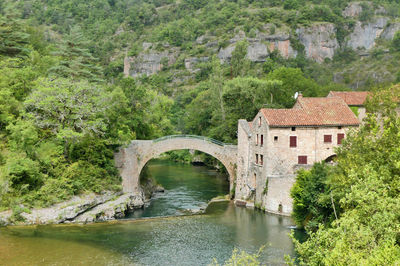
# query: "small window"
{"type": "Point", "coordinates": [262, 140]}
{"type": "Point", "coordinates": [339, 127]}
{"type": "Point", "coordinates": [327, 138]}
{"type": "Point", "coordinates": [256, 158]}
{"type": "Point", "coordinates": [340, 137]}
{"type": "Point", "coordinates": [293, 141]}
{"type": "Point", "coordinates": [293, 128]}
{"type": "Point", "coordinates": [275, 138]}
{"type": "Point", "coordinates": [302, 159]}
{"type": "Point", "coordinates": [261, 159]}
{"type": "Point", "coordinates": [259, 121]}
{"type": "Point", "coordinates": [257, 140]}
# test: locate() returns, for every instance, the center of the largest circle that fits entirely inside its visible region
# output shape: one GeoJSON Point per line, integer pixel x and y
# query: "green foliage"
{"type": "Point", "coordinates": [365, 182]}
{"type": "Point", "coordinates": [241, 258]}
{"type": "Point", "coordinates": [76, 61]}
{"type": "Point", "coordinates": [242, 97]}
{"type": "Point", "coordinates": [265, 191]}
{"type": "Point", "coordinates": [311, 197]}
{"type": "Point", "coordinates": [396, 41]}
{"type": "Point", "coordinates": [13, 36]}
{"type": "Point", "coordinates": [239, 63]}
{"type": "Point", "coordinates": [182, 156]}
{"type": "Point", "coordinates": [354, 109]}
{"type": "Point", "coordinates": [70, 110]}
{"type": "Point", "coordinates": [293, 80]}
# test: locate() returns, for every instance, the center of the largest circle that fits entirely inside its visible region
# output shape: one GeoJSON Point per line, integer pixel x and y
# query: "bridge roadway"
{"type": "Point", "coordinates": [131, 159]}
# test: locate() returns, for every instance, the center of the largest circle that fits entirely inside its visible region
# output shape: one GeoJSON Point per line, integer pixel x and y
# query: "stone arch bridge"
{"type": "Point", "coordinates": [131, 159]}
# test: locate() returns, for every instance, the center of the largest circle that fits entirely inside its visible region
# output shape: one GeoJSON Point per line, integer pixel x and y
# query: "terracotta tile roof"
{"type": "Point", "coordinates": [331, 111]}
{"type": "Point", "coordinates": [351, 97]}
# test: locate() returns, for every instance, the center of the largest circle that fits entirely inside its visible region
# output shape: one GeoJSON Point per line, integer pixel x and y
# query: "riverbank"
{"type": "Point", "coordinates": [79, 209]}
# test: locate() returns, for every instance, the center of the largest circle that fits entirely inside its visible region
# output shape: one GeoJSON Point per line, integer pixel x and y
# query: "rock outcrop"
{"type": "Point", "coordinates": [390, 30]}
{"type": "Point", "coordinates": [260, 46]}
{"type": "Point", "coordinates": [319, 41]}
{"type": "Point", "coordinates": [353, 10]}
{"type": "Point", "coordinates": [365, 35]}
{"type": "Point", "coordinates": [81, 209]}
{"type": "Point", "coordinates": [190, 63]}
{"type": "Point", "coordinates": [149, 61]}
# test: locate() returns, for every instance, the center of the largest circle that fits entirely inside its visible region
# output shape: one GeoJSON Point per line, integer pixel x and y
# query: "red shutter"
{"type": "Point", "coordinates": [327, 138]}
{"type": "Point", "coordinates": [293, 141]}
{"type": "Point", "coordinates": [340, 136]}
{"type": "Point", "coordinates": [302, 160]}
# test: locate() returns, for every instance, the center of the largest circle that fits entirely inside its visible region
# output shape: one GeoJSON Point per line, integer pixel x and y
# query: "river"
{"type": "Point", "coordinates": [160, 234]}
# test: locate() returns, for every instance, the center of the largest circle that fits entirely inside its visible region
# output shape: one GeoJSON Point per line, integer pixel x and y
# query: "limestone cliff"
{"type": "Point", "coordinates": [319, 40]}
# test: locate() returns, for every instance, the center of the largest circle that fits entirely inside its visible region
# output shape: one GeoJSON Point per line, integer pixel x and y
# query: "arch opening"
{"type": "Point", "coordinates": [331, 159]}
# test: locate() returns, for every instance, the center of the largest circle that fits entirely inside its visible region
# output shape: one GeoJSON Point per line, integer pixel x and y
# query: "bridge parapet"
{"type": "Point", "coordinates": [206, 139]}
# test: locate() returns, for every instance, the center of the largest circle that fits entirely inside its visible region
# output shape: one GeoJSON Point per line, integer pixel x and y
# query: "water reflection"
{"type": "Point", "coordinates": [183, 240]}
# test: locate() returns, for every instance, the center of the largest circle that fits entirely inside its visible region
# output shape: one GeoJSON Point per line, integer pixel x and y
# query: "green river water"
{"type": "Point", "coordinates": [160, 234]}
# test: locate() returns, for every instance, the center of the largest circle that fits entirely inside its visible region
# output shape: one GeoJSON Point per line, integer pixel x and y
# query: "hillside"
{"type": "Point", "coordinates": [78, 79]}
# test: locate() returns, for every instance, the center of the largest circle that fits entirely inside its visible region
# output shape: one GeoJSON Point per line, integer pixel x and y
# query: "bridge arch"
{"type": "Point", "coordinates": [131, 159]}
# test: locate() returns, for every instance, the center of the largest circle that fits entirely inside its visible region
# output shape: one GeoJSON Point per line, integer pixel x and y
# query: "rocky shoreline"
{"type": "Point", "coordinates": [83, 209]}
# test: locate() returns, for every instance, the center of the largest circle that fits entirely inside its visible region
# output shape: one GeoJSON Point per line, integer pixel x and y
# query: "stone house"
{"type": "Point", "coordinates": [278, 142]}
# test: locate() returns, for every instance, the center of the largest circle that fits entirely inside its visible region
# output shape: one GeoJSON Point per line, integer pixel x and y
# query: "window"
{"type": "Point", "coordinates": [293, 129]}
{"type": "Point", "coordinates": [339, 127]}
{"type": "Point", "coordinates": [275, 138]}
{"type": "Point", "coordinates": [262, 140]}
{"type": "Point", "coordinates": [256, 158]}
{"type": "Point", "coordinates": [259, 121]}
{"type": "Point", "coordinates": [327, 138]}
{"type": "Point", "coordinates": [293, 141]}
{"type": "Point", "coordinates": [261, 159]}
{"type": "Point", "coordinates": [302, 159]}
{"type": "Point", "coordinates": [340, 136]}
{"type": "Point", "coordinates": [257, 140]}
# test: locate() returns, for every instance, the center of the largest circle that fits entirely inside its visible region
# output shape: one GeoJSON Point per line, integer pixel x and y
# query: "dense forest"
{"type": "Point", "coordinates": [66, 104]}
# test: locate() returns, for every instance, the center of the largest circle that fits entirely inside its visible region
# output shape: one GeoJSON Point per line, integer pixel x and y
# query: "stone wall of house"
{"type": "Point", "coordinates": [243, 191]}
{"type": "Point", "coordinates": [280, 161]}
{"type": "Point", "coordinates": [362, 113]}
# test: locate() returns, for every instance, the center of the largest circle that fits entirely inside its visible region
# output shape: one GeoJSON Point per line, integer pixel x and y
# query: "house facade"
{"type": "Point", "coordinates": [278, 142]}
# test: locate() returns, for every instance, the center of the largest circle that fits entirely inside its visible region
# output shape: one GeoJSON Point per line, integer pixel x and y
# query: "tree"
{"type": "Point", "coordinates": [396, 41]}
{"type": "Point", "coordinates": [14, 38]}
{"type": "Point", "coordinates": [76, 61]}
{"type": "Point", "coordinates": [293, 81]}
{"type": "Point", "coordinates": [243, 97]}
{"type": "Point", "coordinates": [239, 63]}
{"type": "Point", "coordinates": [68, 109]}
{"type": "Point", "coordinates": [311, 198]}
